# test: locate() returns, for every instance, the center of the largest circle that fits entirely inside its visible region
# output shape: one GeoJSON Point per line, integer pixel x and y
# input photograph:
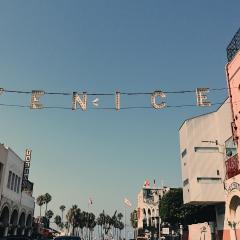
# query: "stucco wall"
{"type": "Point", "coordinates": [202, 163]}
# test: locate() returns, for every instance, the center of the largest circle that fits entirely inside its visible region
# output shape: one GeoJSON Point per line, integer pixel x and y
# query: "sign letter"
{"type": "Point", "coordinates": [81, 101]}
{"type": "Point", "coordinates": [35, 104]}
{"type": "Point", "coordinates": [202, 97]}
{"type": "Point", "coordinates": [117, 100]}
{"type": "Point", "coordinates": [154, 102]}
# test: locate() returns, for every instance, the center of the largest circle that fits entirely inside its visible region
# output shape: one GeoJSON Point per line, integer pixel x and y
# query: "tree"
{"type": "Point", "coordinates": [101, 221]}
{"type": "Point", "coordinates": [82, 222]}
{"type": "Point", "coordinates": [134, 221]}
{"type": "Point", "coordinates": [47, 199]}
{"type": "Point", "coordinates": [91, 223]}
{"type": "Point", "coordinates": [170, 206]}
{"type": "Point", "coordinates": [62, 208]}
{"type": "Point", "coordinates": [57, 220]}
{"type": "Point", "coordinates": [40, 201]}
{"type": "Point", "coordinates": [105, 222]}
{"type": "Point", "coordinates": [173, 211]}
{"type": "Point", "coordinates": [49, 214]}
{"type": "Point", "coordinates": [73, 217]}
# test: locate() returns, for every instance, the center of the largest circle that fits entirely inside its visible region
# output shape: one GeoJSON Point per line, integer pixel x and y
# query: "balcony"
{"type": "Point", "coordinates": [232, 167]}
{"type": "Point", "coordinates": [28, 187]}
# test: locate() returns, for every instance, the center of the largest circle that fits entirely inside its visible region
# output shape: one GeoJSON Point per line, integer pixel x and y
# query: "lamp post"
{"type": "Point", "coordinates": [181, 231]}
{"type": "Point", "coordinates": [159, 228]}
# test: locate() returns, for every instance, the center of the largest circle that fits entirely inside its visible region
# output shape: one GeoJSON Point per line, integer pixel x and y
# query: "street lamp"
{"type": "Point", "coordinates": [159, 228]}
{"type": "Point", "coordinates": [181, 231]}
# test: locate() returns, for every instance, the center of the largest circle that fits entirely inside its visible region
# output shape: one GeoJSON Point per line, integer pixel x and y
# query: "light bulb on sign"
{"type": "Point", "coordinates": [154, 101]}
{"type": "Point", "coordinates": [95, 102]}
{"type": "Point", "coordinates": [36, 94]}
{"type": "Point", "coordinates": [117, 100]}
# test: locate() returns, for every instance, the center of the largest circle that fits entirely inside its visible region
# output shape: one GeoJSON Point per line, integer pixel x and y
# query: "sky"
{"type": "Point", "coordinates": [102, 47]}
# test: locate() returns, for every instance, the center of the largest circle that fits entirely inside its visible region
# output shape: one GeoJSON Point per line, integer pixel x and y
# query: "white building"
{"type": "Point", "coordinates": [16, 206]}
{"type": "Point", "coordinates": [203, 142]}
{"type": "Point", "coordinates": [148, 206]}
{"type": "Point", "coordinates": [206, 143]}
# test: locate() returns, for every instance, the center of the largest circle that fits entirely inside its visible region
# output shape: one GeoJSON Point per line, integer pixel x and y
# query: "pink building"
{"type": "Point", "coordinates": [232, 179]}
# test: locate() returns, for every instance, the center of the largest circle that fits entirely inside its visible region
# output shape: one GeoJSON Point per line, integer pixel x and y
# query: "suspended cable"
{"type": "Point", "coordinates": [111, 108]}
{"type": "Point", "coordinates": [111, 94]}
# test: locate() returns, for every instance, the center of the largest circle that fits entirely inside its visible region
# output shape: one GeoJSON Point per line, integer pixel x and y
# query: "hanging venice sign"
{"type": "Point", "coordinates": [80, 100]}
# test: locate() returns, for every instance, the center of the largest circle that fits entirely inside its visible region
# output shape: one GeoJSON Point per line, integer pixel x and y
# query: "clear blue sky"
{"type": "Point", "coordinates": [103, 46]}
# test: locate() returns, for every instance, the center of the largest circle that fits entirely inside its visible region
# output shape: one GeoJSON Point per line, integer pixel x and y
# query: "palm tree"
{"type": "Point", "coordinates": [114, 223]}
{"type": "Point", "coordinates": [47, 199]}
{"type": "Point", "coordinates": [134, 221]}
{"type": "Point", "coordinates": [66, 225]}
{"type": "Point", "coordinates": [121, 227]}
{"type": "Point", "coordinates": [40, 202]}
{"type": "Point", "coordinates": [49, 214]}
{"type": "Point", "coordinates": [82, 222]}
{"type": "Point", "coordinates": [120, 224]}
{"type": "Point", "coordinates": [62, 208]}
{"type": "Point", "coordinates": [73, 216]}
{"type": "Point", "coordinates": [57, 220]}
{"type": "Point", "coordinates": [101, 221]}
{"type": "Point", "coordinates": [91, 224]}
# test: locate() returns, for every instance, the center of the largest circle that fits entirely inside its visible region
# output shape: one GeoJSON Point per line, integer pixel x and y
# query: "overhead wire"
{"type": "Point", "coordinates": [111, 94]}
{"type": "Point", "coordinates": [2, 90]}
{"type": "Point", "coordinates": [110, 108]}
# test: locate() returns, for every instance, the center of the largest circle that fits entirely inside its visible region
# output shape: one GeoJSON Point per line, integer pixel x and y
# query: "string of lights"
{"type": "Point", "coordinates": [79, 100]}
{"type": "Point", "coordinates": [110, 108]}
{"type": "Point", "coordinates": [2, 90]}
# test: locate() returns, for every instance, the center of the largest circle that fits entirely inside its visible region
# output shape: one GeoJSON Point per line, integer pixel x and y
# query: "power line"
{"type": "Point", "coordinates": [110, 108]}
{"type": "Point", "coordinates": [2, 90]}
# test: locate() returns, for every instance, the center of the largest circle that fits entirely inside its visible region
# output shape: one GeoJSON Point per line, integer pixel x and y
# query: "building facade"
{"type": "Point", "coordinates": [16, 204]}
{"type": "Point", "coordinates": [148, 207]}
{"type": "Point", "coordinates": [210, 148]}
{"type": "Point", "coordinates": [206, 143]}
{"type": "Point", "coordinates": [232, 184]}
{"type": "Point", "coordinates": [202, 146]}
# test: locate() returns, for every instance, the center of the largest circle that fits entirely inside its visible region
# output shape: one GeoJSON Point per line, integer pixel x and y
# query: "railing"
{"type": "Point", "coordinates": [233, 46]}
{"type": "Point", "coordinates": [232, 167]}
{"type": "Point", "coordinates": [28, 187]}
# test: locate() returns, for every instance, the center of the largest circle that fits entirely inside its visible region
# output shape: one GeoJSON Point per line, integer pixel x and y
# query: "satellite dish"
{"type": "Point", "coordinates": [229, 153]}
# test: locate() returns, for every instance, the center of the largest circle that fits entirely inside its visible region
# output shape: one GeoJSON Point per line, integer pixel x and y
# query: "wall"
{"type": "Point", "coordinates": [14, 164]}
{"type": "Point", "coordinates": [203, 162]}
{"type": "Point", "coordinates": [233, 78]}
{"type": "Point", "coordinates": [200, 231]}
{"type": "Point", "coordinates": [3, 159]}
{"type": "Point", "coordinates": [27, 201]}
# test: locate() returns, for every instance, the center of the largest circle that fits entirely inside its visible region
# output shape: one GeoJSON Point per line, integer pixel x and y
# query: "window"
{"type": "Point", "coordinates": [231, 148]}
{"type": "Point", "coordinates": [184, 153]}
{"type": "Point", "coordinates": [209, 180]}
{"type": "Point", "coordinates": [185, 182]}
{"type": "Point", "coordinates": [218, 173]}
{"type": "Point", "coordinates": [220, 209]}
{"type": "Point", "coordinates": [15, 183]}
{"type": "Point", "coordinates": [206, 149]}
{"type": "Point", "coordinates": [9, 179]}
{"type": "Point", "coordinates": [12, 181]}
{"type": "Point", "coordinates": [18, 184]}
